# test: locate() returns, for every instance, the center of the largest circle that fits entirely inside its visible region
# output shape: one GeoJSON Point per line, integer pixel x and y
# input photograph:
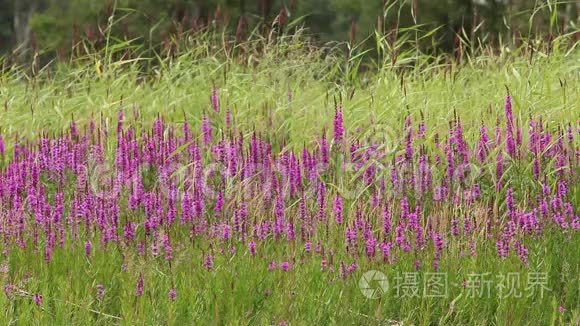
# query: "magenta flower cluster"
{"type": "Point", "coordinates": [138, 188]}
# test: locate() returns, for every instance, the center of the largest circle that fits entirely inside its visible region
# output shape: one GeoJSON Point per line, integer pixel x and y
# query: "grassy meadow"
{"type": "Point", "coordinates": [257, 184]}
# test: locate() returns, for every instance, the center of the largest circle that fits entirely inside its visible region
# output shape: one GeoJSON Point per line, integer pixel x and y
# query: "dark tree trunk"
{"type": "Point", "coordinates": [23, 10]}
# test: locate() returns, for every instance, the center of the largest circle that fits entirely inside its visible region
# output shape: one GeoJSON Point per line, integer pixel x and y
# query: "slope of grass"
{"type": "Point", "coordinates": [287, 92]}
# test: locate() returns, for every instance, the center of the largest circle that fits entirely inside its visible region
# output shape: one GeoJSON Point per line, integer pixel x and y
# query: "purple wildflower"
{"type": "Point", "coordinates": [483, 144]}
{"type": "Point", "coordinates": [252, 248]}
{"type": "Point", "coordinates": [206, 130]}
{"type": "Point", "coordinates": [208, 262]}
{"type": "Point", "coordinates": [338, 207]}
{"type": "Point", "coordinates": [387, 223]}
{"type": "Point", "coordinates": [215, 101]}
{"type": "Point", "coordinates": [172, 295]}
{"type": "Point", "coordinates": [454, 227]}
{"type": "Point", "coordinates": [100, 291]}
{"type": "Point", "coordinates": [499, 170]}
{"type": "Point", "coordinates": [88, 248]}
{"type": "Point", "coordinates": [508, 112]}
{"type": "Point", "coordinates": [561, 309]}
{"type": "Point", "coordinates": [285, 266]}
{"type": "Point", "coordinates": [502, 248]}
{"type": "Point", "coordinates": [308, 246]}
{"type": "Point", "coordinates": [272, 266]}
{"type": "Point", "coordinates": [140, 286]}
{"type": "Point", "coordinates": [37, 298]}
{"type": "Point", "coordinates": [338, 125]}
{"type": "Point", "coordinates": [522, 252]}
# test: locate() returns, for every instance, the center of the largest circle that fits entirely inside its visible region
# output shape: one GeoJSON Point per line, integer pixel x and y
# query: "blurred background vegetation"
{"type": "Point", "coordinates": [54, 27]}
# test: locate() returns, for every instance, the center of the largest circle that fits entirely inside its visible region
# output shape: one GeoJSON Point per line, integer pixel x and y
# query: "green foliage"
{"type": "Point", "coordinates": [58, 24]}
{"type": "Point", "coordinates": [241, 289]}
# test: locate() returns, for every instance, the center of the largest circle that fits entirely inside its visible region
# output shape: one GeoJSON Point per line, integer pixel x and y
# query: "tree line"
{"type": "Point", "coordinates": [53, 26]}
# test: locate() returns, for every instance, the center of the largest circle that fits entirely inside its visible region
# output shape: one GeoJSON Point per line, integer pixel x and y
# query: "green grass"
{"type": "Point", "coordinates": [179, 89]}
{"type": "Point", "coordinates": [240, 290]}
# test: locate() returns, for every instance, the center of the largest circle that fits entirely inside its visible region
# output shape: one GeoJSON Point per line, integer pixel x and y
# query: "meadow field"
{"type": "Point", "coordinates": [275, 182]}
